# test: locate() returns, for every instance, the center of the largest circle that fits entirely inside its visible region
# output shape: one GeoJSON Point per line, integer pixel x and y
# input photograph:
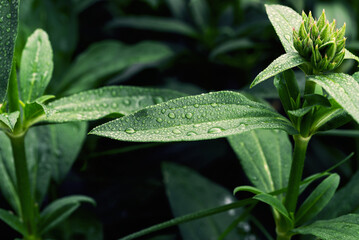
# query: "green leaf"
{"type": "Point", "coordinates": [301, 111]}
{"type": "Point", "coordinates": [317, 200]}
{"type": "Point", "coordinates": [95, 104]}
{"type": "Point", "coordinates": [250, 189]}
{"type": "Point", "coordinates": [34, 112]}
{"type": "Point", "coordinates": [178, 8]}
{"type": "Point", "coordinates": [274, 203]}
{"type": "Point", "coordinates": [284, 19]}
{"type": "Point", "coordinates": [343, 88]}
{"type": "Point", "coordinates": [200, 13]}
{"type": "Point", "coordinates": [36, 66]}
{"type": "Point", "coordinates": [104, 59]}
{"type": "Point", "coordinates": [8, 31]}
{"type": "Point", "coordinates": [265, 156]}
{"type": "Point", "coordinates": [47, 151]}
{"type": "Point", "coordinates": [160, 24]}
{"type": "Point", "coordinates": [349, 55]}
{"type": "Point", "coordinates": [189, 192]}
{"type": "Point", "coordinates": [7, 174]}
{"type": "Point", "coordinates": [317, 100]}
{"type": "Point", "coordinates": [8, 120]}
{"type": "Point", "coordinates": [199, 117]}
{"type": "Point", "coordinates": [12, 220]}
{"type": "Point", "coordinates": [59, 210]}
{"type": "Point", "coordinates": [345, 201]}
{"type": "Point", "coordinates": [282, 63]}
{"type": "Point", "coordinates": [344, 227]}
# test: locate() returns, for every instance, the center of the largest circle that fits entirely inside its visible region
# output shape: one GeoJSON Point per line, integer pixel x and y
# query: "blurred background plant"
{"type": "Point", "coordinates": [191, 46]}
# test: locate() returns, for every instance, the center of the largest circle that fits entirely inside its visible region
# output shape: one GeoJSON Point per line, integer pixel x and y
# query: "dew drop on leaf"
{"type": "Point", "coordinates": [191, 133]}
{"type": "Point", "coordinates": [159, 120]}
{"type": "Point", "coordinates": [171, 115]}
{"type": "Point", "coordinates": [214, 130]}
{"type": "Point", "coordinates": [176, 131]}
{"type": "Point", "coordinates": [189, 115]}
{"type": "Point", "coordinates": [130, 130]}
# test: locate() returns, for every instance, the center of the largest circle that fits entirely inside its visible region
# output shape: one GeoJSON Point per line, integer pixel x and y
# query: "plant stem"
{"type": "Point", "coordinates": [27, 211]}
{"type": "Point", "coordinates": [300, 149]}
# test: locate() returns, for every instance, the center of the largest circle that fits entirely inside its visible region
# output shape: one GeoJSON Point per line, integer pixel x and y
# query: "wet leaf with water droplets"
{"type": "Point", "coordinates": [284, 19]}
{"type": "Point", "coordinates": [282, 63]}
{"type": "Point", "coordinates": [36, 66]}
{"type": "Point", "coordinates": [233, 114]}
{"type": "Point", "coordinates": [265, 156]}
{"type": "Point", "coordinates": [98, 103]}
{"type": "Point", "coordinates": [343, 88]}
{"type": "Point", "coordinates": [8, 121]}
{"type": "Point", "coordinates": [349, 55]}
{"type": "Point", "coordinates": [8, 32]}
{"type": "Point", "coordinates": [344, 227]}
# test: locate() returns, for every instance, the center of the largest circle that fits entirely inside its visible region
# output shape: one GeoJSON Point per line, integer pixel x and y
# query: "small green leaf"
{"type": "Point", "coordinates": [349, 55]}
{"type": "Point", "coordinates": [8, 31]}
{"type": "Point", "coordinates": [104, 59]}
{"type": "Point", "coordinates": [282, 63]}
{"type": "Point", "coordinates": [301, 111]}
{"type": "Point", "coordinates": [8, 120]}
{"type": "Point", "coordinates": [250, 189]}
{"type": "Point", "coordinates": [59, 210]}
{"type": "Point", "coordinates": [343, 88]}
{"type": "Point", "coordinates": [200, 13]}
{"type": "Point", "coordinates": [98, 103]}
{"type": "Point", "coordinates": [342, 228]}
{"type": "Point", "coordinates": [345, 201]}
{"type": "Point", "coordinates": [317, 200]}
{"type": "Point", "coordinates": [12, 220]}
{"type": "Point", "coordinates": [159, 24]}
{"type": "Point", "coordinates": [189, 192]}
{"type": "Point", "coordinates": [265, 156]}
{"type": "Point", "coordinates": [36, 66]}
{"type": "Point", "coordinates": [284, 19]}
{"type": "Point", "coordinates": [274, 203]}
{"type": "Point", "coordinates": [205, 116]}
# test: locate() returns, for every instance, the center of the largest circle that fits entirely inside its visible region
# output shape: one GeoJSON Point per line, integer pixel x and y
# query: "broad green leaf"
{"type": "Point", "coordinates": [95, 104]}
{"type": "Point", "coordinates": [178, 8]}
{"type": "Point", "coordinates": [345, 201]}
{"type": "Point", "coordinates": [301, 111]}
{"type": "Point", "coordinates": [34, 112]}
{"type": "Point", "coordinates": [104, 59]}
{"type": "Point", "coordinates": [342, 228]}
{"type": "Point", "coordinates": [349, 55]}
{"type": "Point", "coordinates": [160, 24]}
{"type": "Point", "coordinates": [59, 210]}
{"type": "Point", "coordinates": [8, 120]}
{"type": "Point", "coordinates": [274, 203]}
{"type": "Point", "coordinates": [7, 174]}
{"type": "Point", "coordinates": [265, 156]}
{"type": "Point", "coordinates": [200, 13]}
{"type": "Point", "coordinates": [317, 200]}
{"type": "Point", "coordinates": [47, 150]}
{"type": "Point", "coordinates": [282, 63]}
{"type": "Point", "coordinates": [36, 66]}
{"type": "Point", "coordinates": [12, 220]}
{"type": "Point", "coordinates": [189, 192]}
{"type": "Point", "coordinates": [231, 45]}
{"type": "Point", "coordinates": [8, 31]}
{"type": "Point", "coordinates": [199, 117]}
{"type": "Point", "coordinates": [343, 88]}
{"type": "Point", "coordinates": [284, 19]}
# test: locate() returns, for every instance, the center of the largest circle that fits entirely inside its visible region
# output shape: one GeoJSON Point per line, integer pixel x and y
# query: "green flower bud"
{"type": "Point", "coordinates": [320, 43]}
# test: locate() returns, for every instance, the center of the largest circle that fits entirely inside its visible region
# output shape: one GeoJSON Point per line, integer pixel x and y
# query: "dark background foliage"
{"type": "Point", "coordinates": [232, 44]}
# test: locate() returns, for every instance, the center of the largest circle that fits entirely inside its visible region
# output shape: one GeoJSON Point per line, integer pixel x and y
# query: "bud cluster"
{"type": "Point", "coordinates": [320, 43]}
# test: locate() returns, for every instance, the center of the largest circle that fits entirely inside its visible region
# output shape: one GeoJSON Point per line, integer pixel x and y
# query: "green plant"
{"type": "Point", "coordinates": [32, 156]}
{"type": "Point", "coordinates": [277, 178]}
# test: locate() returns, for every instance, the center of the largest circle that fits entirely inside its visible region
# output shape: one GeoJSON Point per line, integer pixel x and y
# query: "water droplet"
{"type": "Point", "coordinates": [189, 115]}
{"type": "Point", "coordinates": [242, 126]}
{"type": "Point", "coordinates": [214, 104]}
{"type": "Point", "coordinates": [1, 19]}
{"type": "Point", "coordinates": [196, 125]}
{"type": "Point", "coordinates": [176, 131]}
{"type": "Point", "coordinates": [8, 15]}
{"type": "Point", "coordinates": [214, 130]}
{"type": "Point", "coordinates": [191, 133]}
{"type": "Point", "coordinates": [196, 105]}
{"type": "Point", "coordinates": [130, 130]}
{"type": "Point", "coordinates": [114, 93]}
{"type": "Point", "coordinates": [82, 98]}
{"type": "Point", "coordinates": [159, 120]}
{"type": "Point", "coordinates": [158, 100]}
{"type": "Point", "coordinates": [126, 102]}
{"type": "Point", "coordinates": [163, 110]}
{"type": "Point", "coordinates": [171, 115]}
{"type": "Point", "coordinates": [105, 105]}
{"type": "Point", "coordinates": [114, 105]}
